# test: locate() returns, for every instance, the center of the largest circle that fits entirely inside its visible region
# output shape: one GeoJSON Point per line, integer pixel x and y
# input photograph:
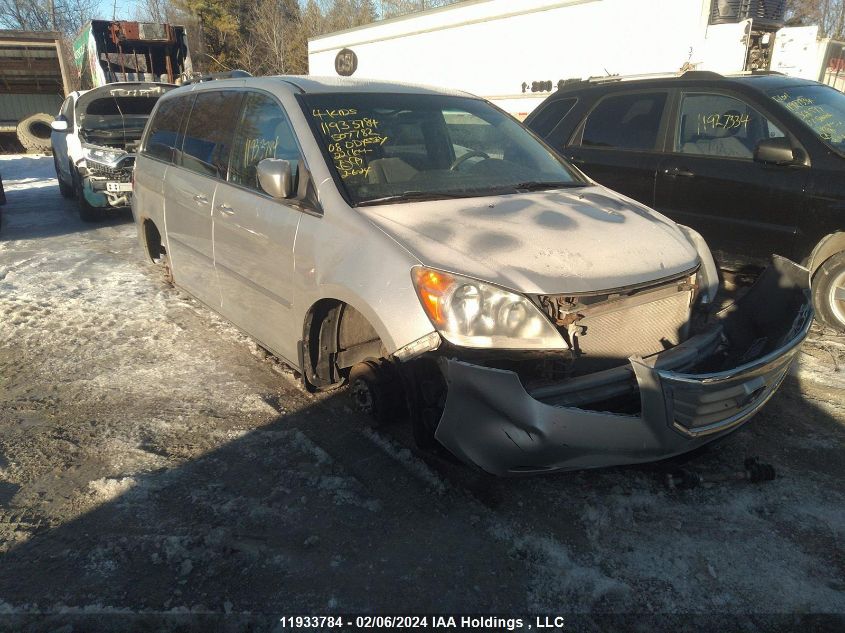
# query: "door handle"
{"type": "Point", "coordinates": [200, 199]}
{"type": "Point", "coordinates": [225, 209]}
{"type": "Point", "coordinates": [677, 172]}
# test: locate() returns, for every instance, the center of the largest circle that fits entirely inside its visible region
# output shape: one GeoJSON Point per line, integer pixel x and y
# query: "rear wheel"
{"type": "Point", "coordinates": [829, 292]}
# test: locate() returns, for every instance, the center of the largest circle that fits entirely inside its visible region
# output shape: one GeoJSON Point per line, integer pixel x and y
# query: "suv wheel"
{"type": "Point", "coordinates": [829, 292]}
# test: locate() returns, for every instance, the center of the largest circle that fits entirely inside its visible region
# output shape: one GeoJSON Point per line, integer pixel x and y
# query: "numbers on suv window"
{"type": "Point", "coordinates": [719, 125]}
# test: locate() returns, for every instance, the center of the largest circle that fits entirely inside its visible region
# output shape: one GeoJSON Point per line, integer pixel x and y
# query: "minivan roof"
{"type": "Point", "coordinates": [307, 84]}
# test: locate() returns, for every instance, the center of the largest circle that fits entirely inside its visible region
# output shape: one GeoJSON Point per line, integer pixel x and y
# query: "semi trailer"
{"type": "Point", "coordinates": [515, 52]}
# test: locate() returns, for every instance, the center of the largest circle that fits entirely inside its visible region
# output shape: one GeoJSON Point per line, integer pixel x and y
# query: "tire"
{"type": "Point", "coordinates": [34, 133]}
{"type": "Point", "coordinates": [65, 189]}
{"type": "Point", "coordinates": [829, 292]}
{"type": "Point", "coordinates": [375, 391]}
{"type": "Point", "coordinates": [87, 213]}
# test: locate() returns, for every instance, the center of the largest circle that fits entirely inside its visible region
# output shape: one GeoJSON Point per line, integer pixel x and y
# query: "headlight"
{"type": "Point", "coordinates": [103, 155]}
{"type": "Point", "coordinates": [709, 282]}
{"type": "Point", "coordinates": [471, 313]}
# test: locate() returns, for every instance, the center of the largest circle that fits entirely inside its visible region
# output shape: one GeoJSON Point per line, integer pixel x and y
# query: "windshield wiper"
{"type": "Point", "coordinates": [418, 196]}
{"type": "Point", "coordinates": [539, 185]}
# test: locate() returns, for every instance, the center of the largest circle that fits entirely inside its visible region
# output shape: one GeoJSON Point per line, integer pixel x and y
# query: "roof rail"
{"type": "Point", "coordinates": [689, 74]}
{"type": "Point", "coordinates": [229, 74]}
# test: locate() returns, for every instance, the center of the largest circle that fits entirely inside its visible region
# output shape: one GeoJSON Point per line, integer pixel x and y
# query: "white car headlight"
{"type": "Point", "coordinates": [471, 313]}
{"type": "Point", "coordinates": [103, 155]}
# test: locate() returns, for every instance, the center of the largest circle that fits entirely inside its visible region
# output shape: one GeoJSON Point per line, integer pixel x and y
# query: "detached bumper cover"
{"type": "Point", "coordinates": [490, 420]}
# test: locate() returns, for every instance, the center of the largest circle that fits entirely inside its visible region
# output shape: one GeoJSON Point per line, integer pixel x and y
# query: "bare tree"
{"type": "Point", "coordinates": [66, 16]}
{"type": "Point", "coordinates": [269, 39]}
{"type": "Point", "coordinates": [394, 8]}
{"type": "Point", "coordinates": [829, 15]}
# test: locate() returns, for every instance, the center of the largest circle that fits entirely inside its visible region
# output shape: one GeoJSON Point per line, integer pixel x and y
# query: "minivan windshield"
{"type": "Point", "coordinates": [820, 107]}
{"type": "Point", "coordinates": [392, 147]}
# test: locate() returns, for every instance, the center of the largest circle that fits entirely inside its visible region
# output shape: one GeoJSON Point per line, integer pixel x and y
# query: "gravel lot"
{"type": "Point", "coordinates": [153, 461]}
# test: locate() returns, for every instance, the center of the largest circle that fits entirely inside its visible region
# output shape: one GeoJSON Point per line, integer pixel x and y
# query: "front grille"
{"type": "Point", "coordinates": [698, 406]}
{"type": "Point", "coordinates": [122, 173]}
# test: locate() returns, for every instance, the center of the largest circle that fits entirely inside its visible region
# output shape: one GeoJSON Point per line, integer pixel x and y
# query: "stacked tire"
{"type": "Point", "coordinates": [34, 133]}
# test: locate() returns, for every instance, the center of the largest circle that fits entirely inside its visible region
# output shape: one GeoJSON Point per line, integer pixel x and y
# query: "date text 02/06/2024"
{"type": "Point", "coordinates": [391, 622]}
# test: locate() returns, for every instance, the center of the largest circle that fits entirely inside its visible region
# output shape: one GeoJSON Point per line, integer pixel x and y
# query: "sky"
{"type": "Point", "coordinates": [125, 9]}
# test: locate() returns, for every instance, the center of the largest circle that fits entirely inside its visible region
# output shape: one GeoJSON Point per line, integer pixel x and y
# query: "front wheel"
{"type": "Point", "coordinates": [65, 189]}
{"type": "Point", "coordinates": [87, 212]}
{"type": "Point", "coordinates": [829, 292]}
{"type": "Point", "coordinates": [376, 391]}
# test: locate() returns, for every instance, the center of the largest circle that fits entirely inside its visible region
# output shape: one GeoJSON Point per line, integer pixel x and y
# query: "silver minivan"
{"type": "Point", "coordinates": [428, 251]}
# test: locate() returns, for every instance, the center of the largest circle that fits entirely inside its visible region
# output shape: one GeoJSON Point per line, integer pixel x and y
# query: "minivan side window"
{"type": "Point", "coordinates": [163, 136]}
{"type": "Point", "coordinates": [719, 125]}
{"type": "Point", "coordinates": [547, 119]}
{"type": "Point", "coordinates": [208, 137]}
{"type": "Point", "coordinates": [629, 121]}
{"type": "Point", "coordinates": [263, 131]}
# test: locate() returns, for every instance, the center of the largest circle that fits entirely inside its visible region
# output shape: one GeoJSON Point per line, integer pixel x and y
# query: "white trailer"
{"type": "Point", "coordinates": [800, 52]}
{"type": "Point", "coordinates": [514, 52]}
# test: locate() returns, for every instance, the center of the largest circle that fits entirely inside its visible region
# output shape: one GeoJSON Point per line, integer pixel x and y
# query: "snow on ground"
{"type": "Point", "coordinates": [154, 460]}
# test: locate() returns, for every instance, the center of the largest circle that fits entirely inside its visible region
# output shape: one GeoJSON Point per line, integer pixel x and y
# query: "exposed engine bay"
{"type": "Point", "coordinates": [111, 122]}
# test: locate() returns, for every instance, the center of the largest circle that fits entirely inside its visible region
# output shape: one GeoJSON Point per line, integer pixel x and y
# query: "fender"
{"type": "Point", "coordinates": [827, 247]}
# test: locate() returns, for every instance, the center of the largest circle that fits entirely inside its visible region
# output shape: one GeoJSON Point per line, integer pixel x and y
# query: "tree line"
{"type": "Point", "coordinates": [261, 36]}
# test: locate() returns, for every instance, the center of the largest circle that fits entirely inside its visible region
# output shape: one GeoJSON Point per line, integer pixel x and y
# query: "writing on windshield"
{"type": "Point", "coordinates": [818, 110]}
{"type": "Point", "coordinates": [351, 139]}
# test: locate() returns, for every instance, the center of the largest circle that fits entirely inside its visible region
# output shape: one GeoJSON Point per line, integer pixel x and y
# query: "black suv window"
{"type": "Point", "coordinates": [719, 125]}
{"type": "Point", "coordinates": [263, 132]}
{"type": "Point", "coordinates": [629, 121]}
{"type": "Point", "coordinates": [208, 140]}
{"type": "Point", "coordinates": [547, 119]}
{"type": "Point", "coordinates": [163, 135]}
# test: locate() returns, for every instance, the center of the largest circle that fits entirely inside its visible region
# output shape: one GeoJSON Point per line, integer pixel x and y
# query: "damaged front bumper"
{"type": "Point", "coordinates": [109, 184]}
{"type": "Point", "coordinates": [689, 395]}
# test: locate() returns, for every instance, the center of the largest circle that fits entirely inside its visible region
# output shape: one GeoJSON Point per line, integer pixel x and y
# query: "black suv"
{"type": "Point", "coordinates": [755, 163]}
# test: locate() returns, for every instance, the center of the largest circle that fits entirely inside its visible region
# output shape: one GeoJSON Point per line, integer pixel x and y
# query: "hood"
{"type": "Point", "coordinates": [122, 90]}
{"type": "Point", "coordinates": [546, 242]}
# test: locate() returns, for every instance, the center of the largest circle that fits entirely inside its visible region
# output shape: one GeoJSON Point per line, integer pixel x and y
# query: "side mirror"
{"type": "Point", "coordinates": [775, 151]}
{"type": "Point", "coordinates": [275, 177]}
{"type": "Point", "coordinates": [60, 125]}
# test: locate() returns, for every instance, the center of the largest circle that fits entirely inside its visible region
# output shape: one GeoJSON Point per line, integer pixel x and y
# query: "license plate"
{"type": "Point", "coordinates": [118, 186]}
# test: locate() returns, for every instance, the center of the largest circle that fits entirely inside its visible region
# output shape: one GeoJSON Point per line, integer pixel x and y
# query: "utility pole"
{"type": "Point", "coordinates": [53, 15]}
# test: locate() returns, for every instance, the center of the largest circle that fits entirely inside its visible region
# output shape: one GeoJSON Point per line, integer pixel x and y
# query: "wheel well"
{"type": "Point", "coordinates": [152, 238]}
{"type": "Point", "coordinates": [829, 246]}
{"type": "Point", "coordinates": [336, 336]}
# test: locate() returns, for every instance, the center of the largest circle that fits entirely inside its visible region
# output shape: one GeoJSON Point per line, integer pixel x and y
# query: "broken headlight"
{"type": "Point", "coordinates": [110, 157]}
{"type": "Point", "coordinates": [472, 313]}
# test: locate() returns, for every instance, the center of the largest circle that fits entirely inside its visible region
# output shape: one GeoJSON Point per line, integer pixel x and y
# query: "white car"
{"type": "Point", "coordinates": [94, 138]}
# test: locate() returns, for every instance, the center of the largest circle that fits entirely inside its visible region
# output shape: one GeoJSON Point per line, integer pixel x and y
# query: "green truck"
{"type": "Point", "coordinates": [113, 51]}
